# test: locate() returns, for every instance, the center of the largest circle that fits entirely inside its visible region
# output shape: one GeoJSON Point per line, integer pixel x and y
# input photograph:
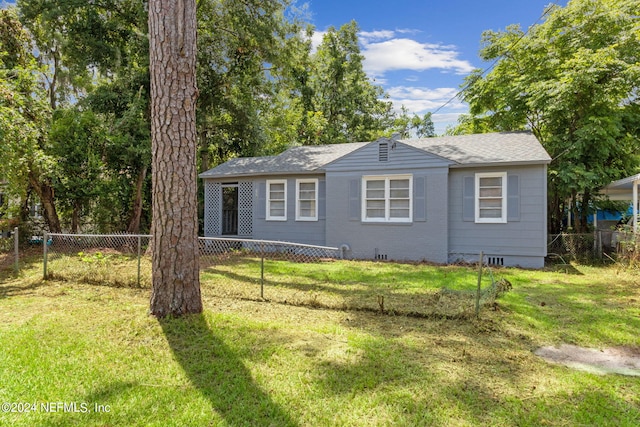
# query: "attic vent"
{"type": "Point", "coordinates": [495, 260]}
{"type": "Point", "coordinates": [383, 152]}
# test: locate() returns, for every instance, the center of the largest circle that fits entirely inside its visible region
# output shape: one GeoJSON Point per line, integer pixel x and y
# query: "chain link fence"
{"type": "Point", "coordinates": [281, 272]}
{"type": "Point", "coordinates": [601, 246]}
{"type": "Point", "coordinates": [10, 249]}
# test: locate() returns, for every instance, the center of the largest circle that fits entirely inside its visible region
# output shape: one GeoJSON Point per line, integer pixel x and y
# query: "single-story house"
{"type": "Point", "coordinates": [441, 199]}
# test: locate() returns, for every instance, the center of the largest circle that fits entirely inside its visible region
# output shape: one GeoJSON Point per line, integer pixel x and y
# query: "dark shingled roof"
{"type": "Point", "coordinates": [464, 150]}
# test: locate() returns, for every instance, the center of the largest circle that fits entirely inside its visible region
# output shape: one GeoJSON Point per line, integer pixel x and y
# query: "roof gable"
{"type": "Point", "coordinates": [387, 154]}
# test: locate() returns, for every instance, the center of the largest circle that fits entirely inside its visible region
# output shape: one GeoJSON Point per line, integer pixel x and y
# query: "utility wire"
{"type": "Point", "coordinates": [493, 64]}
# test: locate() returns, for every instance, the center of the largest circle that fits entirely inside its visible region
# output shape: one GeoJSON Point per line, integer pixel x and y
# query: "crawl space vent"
{"type": "Point", "coordinates": [495, 260]}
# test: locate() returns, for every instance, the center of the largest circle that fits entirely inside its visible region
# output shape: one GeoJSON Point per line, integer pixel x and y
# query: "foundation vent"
{"type": "Point", "coordinates": [378, 256]}
{"type": "Point", "coordinates": [495, 260]}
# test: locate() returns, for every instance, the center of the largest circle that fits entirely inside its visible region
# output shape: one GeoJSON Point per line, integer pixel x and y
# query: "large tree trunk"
{"type": "Point", "coordinates": [172, 50]}
{"type": "Point", "coordinates": [136, 210]}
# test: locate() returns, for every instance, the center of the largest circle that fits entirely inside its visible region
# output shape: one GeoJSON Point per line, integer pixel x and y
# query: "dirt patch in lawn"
{"type": "Point", "coordinates": [616, 360]}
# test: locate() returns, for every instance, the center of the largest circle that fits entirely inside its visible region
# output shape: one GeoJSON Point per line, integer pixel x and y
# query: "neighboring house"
{"type": "Point", "coordinates": [439, 199]}
{"type": "Point", "coordinates": [626, 189]}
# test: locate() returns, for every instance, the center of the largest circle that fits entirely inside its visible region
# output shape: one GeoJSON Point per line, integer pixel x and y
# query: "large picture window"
{"type": "Point", "coordinates": [307, 200]}
{"type": "Point", "coordinates": [387, 198]}
{"type": "Point", "coordinates": [277, 200]}
{"type": "Point", "coordinates": [491, 202]}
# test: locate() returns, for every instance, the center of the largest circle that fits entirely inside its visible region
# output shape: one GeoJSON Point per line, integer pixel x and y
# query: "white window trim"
{"type": "Point", "coordinates": [269, 217]}
{"type": "Point", "coordinates": [503, 215]}
{"type": "Point", "coordinates": [387, 218]}
{"type": "Point", "coordinates": [299, 217]}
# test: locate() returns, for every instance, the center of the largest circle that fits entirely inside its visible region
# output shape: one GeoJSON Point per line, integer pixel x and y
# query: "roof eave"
{"type": "Point", "coordinates": [501, 164]}
{"type": "Point", "coordinates": [252, 174]}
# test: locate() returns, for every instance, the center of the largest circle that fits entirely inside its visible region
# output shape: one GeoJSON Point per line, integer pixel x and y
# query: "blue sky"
{"type": "Point", "coordinates": [421, 50]}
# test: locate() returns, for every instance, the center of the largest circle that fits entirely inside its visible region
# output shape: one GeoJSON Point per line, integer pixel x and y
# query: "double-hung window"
{"type": "Point", "coordinates": [307, 200]}
{"type": "Point", "coordinates": [277, 200]}
{"type": "Point", "coordinates": [387, 198]}
{"type": "Point", "coordinates": [491, 201]}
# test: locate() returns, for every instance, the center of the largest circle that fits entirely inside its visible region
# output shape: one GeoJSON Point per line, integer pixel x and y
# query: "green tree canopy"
{"type": "Point", "coordinates": [573, 80]}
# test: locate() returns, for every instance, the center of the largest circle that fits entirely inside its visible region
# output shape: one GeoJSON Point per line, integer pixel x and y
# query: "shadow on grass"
{"type": "Point", "coordinates": [219, 374]}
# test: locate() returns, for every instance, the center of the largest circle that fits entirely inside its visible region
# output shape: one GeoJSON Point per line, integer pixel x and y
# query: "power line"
{"type": "Point", "coordinates": [493, 64]}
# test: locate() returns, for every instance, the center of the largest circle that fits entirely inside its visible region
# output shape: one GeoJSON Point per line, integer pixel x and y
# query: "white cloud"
{"type": "Point", "coordinates": [316, 39]}
{"type": "Point", "coordinates": [420, 100]}
{"type": "Point", "coordinates": [407, 54]}
{"type": "Point", "coordinates": [366, 37]}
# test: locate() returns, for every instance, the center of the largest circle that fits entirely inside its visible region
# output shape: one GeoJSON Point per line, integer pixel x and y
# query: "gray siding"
{"type": "Point", "coordinates": [401, 156]}
{"type": "Point", "coordinates": [522, 240]}
{"type": "Point", "coordinates": [308, 232]}
{"type": "Point", "coordinates": [423, 239]}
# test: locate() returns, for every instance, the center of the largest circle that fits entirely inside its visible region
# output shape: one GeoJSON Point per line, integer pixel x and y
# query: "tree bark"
{"type": "Point", "coordinates": [175, 264]}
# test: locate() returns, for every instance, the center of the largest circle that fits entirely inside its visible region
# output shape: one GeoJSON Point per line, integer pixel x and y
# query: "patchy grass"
{"type": "Point", "coordinates": [247, 361]}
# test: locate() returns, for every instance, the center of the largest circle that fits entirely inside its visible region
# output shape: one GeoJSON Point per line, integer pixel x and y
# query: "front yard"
{"type": "Point", "coordinates": [317, 350]}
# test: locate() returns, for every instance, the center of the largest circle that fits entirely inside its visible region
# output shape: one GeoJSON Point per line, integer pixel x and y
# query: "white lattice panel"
{"type": "Point", "coordinates": [245, 208]}
{"type": "Point", "coordinates": [212, 208]}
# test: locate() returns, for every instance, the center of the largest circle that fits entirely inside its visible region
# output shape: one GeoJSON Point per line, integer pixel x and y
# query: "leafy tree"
{"type": "Point", "coordinates": [573, 81]}
{"type": "Point", "coordinates": [342, 92]}
{"type": "Point", "coordinates": [77, 143]}
{"type": "Point", "coordinates": [96, 54]}
{"type": "Point", "coordinates": [413, 126]}
{"type": "Point", "coordinates": [24, 118]}
{"type": "Point", "coordinates": [246, 51]}
{"type": "Point", "coordinates": [172, 53]}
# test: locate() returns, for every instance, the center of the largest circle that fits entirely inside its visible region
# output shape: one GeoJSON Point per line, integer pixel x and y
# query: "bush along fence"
{"type": "Point", "coordinates": [282, 272]}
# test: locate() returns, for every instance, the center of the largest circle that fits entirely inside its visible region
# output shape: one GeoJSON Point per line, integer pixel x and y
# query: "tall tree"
{"type": "Point", "coordinates": [96, 54]}
{"type": "Point", "coordinates": [343, 94]}
{"type": "Point", "coordinates": [245, 53]}
{"type": "Point", "coordinates": [573, 80]}
{"type": "Point", "coordinates": [24, 119]}
{"type": "Point", "coordinates": [172, 53]}
{"type": "Point", "coordinates": [77, 143]}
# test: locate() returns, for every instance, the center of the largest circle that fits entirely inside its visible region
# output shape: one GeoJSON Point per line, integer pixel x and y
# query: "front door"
{"type": "Point", "coordinates": [230, 209]}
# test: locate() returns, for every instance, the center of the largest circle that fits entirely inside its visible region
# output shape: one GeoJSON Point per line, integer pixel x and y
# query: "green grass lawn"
{"type": "Point", "coordinates": [311, 353]}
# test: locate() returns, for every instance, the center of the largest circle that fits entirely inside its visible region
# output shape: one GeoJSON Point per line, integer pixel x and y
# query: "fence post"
{"type": "Point", "coordinates": [261, 270]}
{"type": "Point", "coordinates": [480, 262]}
{"type": "Point", "coordinates": [44, 255]}
{"type": "Point", "coordinates": [139, 260]}
{"type": "Point", "coordinates": [16, 249]}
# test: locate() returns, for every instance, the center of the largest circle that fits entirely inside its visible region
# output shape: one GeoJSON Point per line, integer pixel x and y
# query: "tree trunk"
{"type": "Point", "coordinates": [45, 193]}
{"type": "Point", "coordinates": [172, 50]}
{"type": "Point", "coordinates": [136, 210]}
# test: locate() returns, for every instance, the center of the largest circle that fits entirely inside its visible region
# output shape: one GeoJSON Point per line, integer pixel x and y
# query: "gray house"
{"type": "Point", "coordinates": [439, 199]}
